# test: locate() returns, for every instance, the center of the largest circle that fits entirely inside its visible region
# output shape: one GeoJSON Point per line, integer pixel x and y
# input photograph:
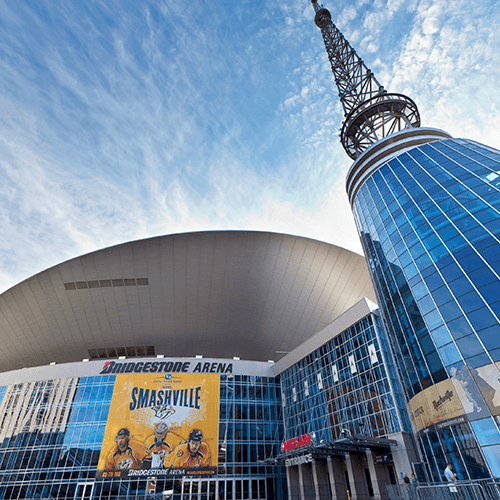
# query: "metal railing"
{"type": "Point", "coordinates": [481, 489]}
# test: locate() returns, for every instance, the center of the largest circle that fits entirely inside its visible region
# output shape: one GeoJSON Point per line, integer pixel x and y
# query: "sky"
{"type": "Point", "coordinates": [122, 120]}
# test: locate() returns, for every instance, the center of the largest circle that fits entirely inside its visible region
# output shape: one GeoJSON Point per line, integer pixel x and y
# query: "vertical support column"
{"type": "Point", "coordinates": [337, 480]}
{"type": "Point", "coordinates": [301, 482]}
{"type": "Point", "coordinates": [356, 477]}
{"type": "Point", "coordinates": [322, 475]}
{"type": "Point", "coordinates": [333, 483]}
{"type": "Point", "coordinates": [295, 491]}
{"type": "Point", "coordinates": [315, 480]}
{"type": "Point", "coordinates": [373, 475]}
{"type": "Point", "coordinates": [289, 481]}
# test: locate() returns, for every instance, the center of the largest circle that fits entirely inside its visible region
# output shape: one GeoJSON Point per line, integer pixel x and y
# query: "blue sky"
{"type": "Point", "coordinates": [123, 119]}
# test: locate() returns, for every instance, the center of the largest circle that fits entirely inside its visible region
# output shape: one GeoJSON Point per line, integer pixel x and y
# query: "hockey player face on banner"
{"type": "Point", "coordinates": [194, 446]}
{"type": "Point", "coordinates": [161, 431]}
{"type": "Point", "coordinates": [122, 441]}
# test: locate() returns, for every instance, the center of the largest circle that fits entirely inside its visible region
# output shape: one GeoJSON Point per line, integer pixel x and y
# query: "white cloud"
{"type": "Point", "coordinates": [120, 124]}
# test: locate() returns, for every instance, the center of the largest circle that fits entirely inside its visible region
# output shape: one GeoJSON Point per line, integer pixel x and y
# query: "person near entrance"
{"type": "Point", "coordinates": [192, 453]}
{"type": "Point", "coordinates": [450, 476]}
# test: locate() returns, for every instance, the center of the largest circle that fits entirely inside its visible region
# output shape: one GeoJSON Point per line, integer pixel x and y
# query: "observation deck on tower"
{"type": "Point", "coordinates": [371, 113]}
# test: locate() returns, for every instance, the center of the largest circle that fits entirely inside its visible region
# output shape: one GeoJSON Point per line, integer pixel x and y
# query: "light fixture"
{"type": "Point", "coordinates": [122, 357]}
{"type": "Point", "coordinates": [236, 358]}
{"type": "Point", "coordinates": [199, 356]}
{"type": "Point", "coordinates": [85, 360]}
{"type": "Point", "coordinates": [160, 356]}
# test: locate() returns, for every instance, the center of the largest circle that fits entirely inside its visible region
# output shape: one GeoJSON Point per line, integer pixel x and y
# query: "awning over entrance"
{"type": "Point", "coordinates": [353, 443]}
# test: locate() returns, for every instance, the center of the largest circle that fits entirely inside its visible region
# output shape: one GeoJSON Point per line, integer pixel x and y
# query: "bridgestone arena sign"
{"type": "Point", "coordinates": [166, 367]}
{"type": "Point", "coordinates": [304, 459]}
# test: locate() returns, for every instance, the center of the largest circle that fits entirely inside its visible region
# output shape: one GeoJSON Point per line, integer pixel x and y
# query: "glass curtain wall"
{"type": "Point", "coordinates": [51, 434]}
{"type": "Point", "coordinates": [429, 222]}
{"type": "Point", "coordinates": [348, 383]}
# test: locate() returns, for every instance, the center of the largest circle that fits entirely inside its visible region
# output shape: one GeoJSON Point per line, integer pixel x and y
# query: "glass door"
{"type": "Point", "coordinates": [84, 491]}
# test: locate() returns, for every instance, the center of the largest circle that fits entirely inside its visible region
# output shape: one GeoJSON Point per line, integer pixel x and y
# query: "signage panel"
{"type": "Point", "coordinates": [161, 425]}
{"type": "Point", "coordinates": [469, 394]}
{"type": "Point", "coordinates": [297, 442]}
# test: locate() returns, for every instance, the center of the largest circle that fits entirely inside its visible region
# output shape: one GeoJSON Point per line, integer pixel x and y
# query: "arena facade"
{"type": "Point", "coordinates": [223, 364]}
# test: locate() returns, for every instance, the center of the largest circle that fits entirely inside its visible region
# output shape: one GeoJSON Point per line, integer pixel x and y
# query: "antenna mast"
{"type": "Point", "coordinates": [370, 112]}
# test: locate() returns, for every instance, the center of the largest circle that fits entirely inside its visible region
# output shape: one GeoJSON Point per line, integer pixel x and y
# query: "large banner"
{"type": "Point", "coordinates": [438, 403]}
{"type": "Point", "coordinates": [469, 394]}
{"type": "Point", "coordinates": [161, 425]}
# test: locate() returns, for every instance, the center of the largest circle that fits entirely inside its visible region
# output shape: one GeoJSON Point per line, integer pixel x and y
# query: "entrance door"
{"type": "Point", "coordinates": [84, 491]}
{"type": "Point", "coordinates": [199, 489]}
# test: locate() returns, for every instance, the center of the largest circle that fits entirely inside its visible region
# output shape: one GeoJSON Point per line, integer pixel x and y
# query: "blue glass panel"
{"type": "Point", "coordinates": [434, 362]}
{"type": "Point", "coordinates": [490, 337]}
{"type": "Point", "coordinates": [492, 455]}
{"type": "Point", "coordinates": [404, 259]}
{"type": "Point", "coordinates": [416, 250]}
{"type": "Point", "coordinates": [420, 290]}
{"type": "Point", "coordinates": [459, 327]}
{"type": "Point", "coordinates": [441, 336]}
{"type": "Point", "coordinates": [433, 320]}
{"type": "Point", "coordinates": [471, 263]}
{"type": "Point", "coordinates": [450, 311]}
{"type": "Point", "coordinates": [442, 295]}
{"type": "Point", "coordinates": [426, 304]}
{"type": "Point", "coordinates": [410, 271]}
{"type": "Point", "coordinates": [482, 277]}
{"type": "Point", "coordinates": [482, 318]}
{"type": "Point", "coordinates": [496, 267]}
{"type": "Point", "coordinates": [461, 286]}
{"type": "Point", "coordinates": [487, 215]}
{"type": "Point", "coordinates": [439, 252]}
{"type": "Point", "coordinates": [465, 222]}
{"type": "Point", "coordinates": [469, 346]}
{"type": "Point", "coordinates": [494, 225]}
{"type": "Point", "coordinates": [466, 251]}
{"type": "Point", "coordinates": [447, 232]}
{"type": "Point", "coordinates": [456, 243]}
{"type": "Point", "coordinates": [476, 234]}
{"type": "Point", "coordinates": [426, 344]}
{"type": "Point", "coordinates": [477, 361]}
{"type": "Point", "coordinates": [424, 261]}
{"type": "Point", "coordinates": [471, 301]}
{"type": "Point", "coordinates": [475, 205]}
{"type": "Point", "coordinates": [489, 250]}
{"type": "Point", "coordinates": [451, 272]}
{"type": "Point", "coordinates": [449, 354]}
{"type": "Point", "coordinates": [486, 431]}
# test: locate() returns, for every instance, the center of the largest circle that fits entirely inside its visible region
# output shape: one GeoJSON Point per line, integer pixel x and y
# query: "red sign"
{"type": "Point", "coordinates": [297, 442]}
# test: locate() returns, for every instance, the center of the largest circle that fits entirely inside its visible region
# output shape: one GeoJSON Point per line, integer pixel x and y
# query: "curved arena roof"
{"type": "Point", "coordinates": [220, 294]}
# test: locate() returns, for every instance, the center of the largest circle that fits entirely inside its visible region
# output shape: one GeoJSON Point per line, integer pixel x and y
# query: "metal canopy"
{"type": "Point", "coordinates": [354, 443]}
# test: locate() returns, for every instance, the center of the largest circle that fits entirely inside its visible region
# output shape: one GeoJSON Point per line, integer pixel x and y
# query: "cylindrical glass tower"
{"type": "Point", "coordinates": [427, 208]}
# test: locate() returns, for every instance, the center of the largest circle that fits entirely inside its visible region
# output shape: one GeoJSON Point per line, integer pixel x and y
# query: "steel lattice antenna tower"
{"type": "Point", "coordinates": [370, 112]}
